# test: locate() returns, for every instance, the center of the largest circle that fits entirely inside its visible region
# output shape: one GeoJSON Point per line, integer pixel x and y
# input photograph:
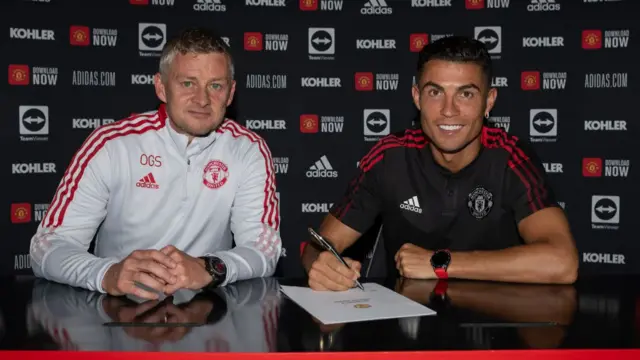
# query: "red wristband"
{"type": "Point", "coordinates": [441, 273]}
{"type": "Point", "coordinates": [441, 288]}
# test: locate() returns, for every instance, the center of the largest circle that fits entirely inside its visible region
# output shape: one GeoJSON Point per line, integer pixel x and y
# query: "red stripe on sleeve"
{"type": "Point", "coordinates": [411, 139]}
{"type": "Point", "coordinates": [518, 161]}
{"type": "Point", "coordinates": [96, 141]}
{"type": "Point", "coordinates": [270, 215]}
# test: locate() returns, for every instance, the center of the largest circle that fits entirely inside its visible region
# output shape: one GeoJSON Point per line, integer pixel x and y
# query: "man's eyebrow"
{"type": "Point", "coordinates": [194, 78]}
{"type": "Point", "coordinates": [432, 84]}
{"type": "Point", "coordinates": [440, 87]}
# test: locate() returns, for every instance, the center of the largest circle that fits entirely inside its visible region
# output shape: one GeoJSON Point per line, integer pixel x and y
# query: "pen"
{"type": "Point", "coordinates": [327, 246]}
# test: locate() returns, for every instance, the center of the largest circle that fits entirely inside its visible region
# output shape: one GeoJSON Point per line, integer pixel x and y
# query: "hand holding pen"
{"type": "Point", "coordinates": [331, 271]}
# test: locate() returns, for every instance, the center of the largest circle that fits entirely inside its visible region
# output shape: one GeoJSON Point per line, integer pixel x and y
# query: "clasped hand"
{"type": "Point", "coordinates": [414, 262]}
{"type": "Point", "coordinates": [327, 273]}
{"type": "Point", "coordinates": [166, 270]}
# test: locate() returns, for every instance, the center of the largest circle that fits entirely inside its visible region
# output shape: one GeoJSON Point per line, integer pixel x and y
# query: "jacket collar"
{"type": "Point", "coordinates": [181, 141]}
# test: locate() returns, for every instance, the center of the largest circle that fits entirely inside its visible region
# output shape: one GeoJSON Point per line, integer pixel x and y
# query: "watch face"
{"type": "Point", "coordinates": [218, 267]}
{"type": "Point", "coordinates": [440, 259]}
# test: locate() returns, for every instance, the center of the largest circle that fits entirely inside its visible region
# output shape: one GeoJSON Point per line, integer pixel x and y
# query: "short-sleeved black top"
{"type": "Point", "coordinates": [421, 202]}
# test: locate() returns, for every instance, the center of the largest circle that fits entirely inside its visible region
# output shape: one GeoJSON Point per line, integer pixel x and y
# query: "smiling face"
{"type": "Point", "coordinates": [197, 89]}
{"type": "Point", "coordinates": [453, 98]}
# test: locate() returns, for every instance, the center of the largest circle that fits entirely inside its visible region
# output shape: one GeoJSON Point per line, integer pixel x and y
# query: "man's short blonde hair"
{"type": "Point", "coordinates": [194, 40]}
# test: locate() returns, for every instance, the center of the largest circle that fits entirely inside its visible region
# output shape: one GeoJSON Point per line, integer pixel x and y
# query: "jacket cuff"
{"type": "Point", "coordinates": [101, 271]}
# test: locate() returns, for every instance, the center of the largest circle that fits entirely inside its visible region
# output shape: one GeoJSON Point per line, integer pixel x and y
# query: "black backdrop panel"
{"type": "Point", "coordinates": [321, 81]}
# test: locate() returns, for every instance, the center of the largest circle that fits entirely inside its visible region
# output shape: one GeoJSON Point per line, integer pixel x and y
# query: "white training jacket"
{"type": "Point", "coordinates": [139, 185]}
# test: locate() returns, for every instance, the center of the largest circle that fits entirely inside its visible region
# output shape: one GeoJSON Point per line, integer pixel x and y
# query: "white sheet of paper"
{"type": "Point", "coordinates": [376, 302]}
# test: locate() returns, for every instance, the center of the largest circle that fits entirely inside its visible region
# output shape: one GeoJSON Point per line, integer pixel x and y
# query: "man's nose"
{"type": "Point", "coordinates": [201, 97]}
{"type": "Point", "coordinates": [449, 107]}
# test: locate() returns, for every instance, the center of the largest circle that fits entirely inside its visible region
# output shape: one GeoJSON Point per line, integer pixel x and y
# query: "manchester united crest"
{"type": "Point", "coordinates": [480, 202]}
{"type": "Point", "coordinates": [215, 174]}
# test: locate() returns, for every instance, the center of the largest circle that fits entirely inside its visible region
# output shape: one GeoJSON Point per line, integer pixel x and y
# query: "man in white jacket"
{"type": "Point", "coordinates": [168, 191]}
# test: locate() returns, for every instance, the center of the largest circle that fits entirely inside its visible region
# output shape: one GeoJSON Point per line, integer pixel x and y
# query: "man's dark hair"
{"type": "Point", "coordinates": [457, 49]}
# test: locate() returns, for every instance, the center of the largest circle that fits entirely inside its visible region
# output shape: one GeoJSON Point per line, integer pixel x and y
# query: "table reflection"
{"type": "Point", "coordinates": [472, 315]}
{"type": "Point", "coordinates": [539, 314]}
{"type": "Point", "coordinates": [254, 316]}
{"type": "Point", "coordinates": [239, 317]}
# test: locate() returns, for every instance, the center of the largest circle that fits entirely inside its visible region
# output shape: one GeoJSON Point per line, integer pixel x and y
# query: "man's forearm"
{"type": "Point", "coordinates": [310, 254]}
{"type": "Point", "coordinates": [67, 264]}
{"type": "Point", "coordinates": [532, 263]}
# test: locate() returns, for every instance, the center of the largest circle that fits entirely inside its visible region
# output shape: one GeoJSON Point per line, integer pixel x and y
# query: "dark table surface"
{"type": "Point", "coordinates": [253, 316]}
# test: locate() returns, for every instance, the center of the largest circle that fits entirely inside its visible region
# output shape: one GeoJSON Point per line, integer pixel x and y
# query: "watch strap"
{"type": "Point", "coordinates": [441, 270]}
{"type": "Point", "coordinates": [441, 288]}
{"type": "Point", "coordinates": [216, 268]}
{"type": "Point", "coordinates": [438, 299]}
{"type": "Point", "coordinates": [441, 273]}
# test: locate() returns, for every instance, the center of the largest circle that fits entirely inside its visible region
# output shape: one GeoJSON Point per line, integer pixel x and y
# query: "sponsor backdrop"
{"type": "Point", "coordinates": [321, 81]}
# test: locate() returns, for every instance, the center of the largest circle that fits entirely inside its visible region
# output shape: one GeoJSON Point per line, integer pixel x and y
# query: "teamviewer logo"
{"type": "Point", "coordinates": [34, 120]}
{"type": "Point", "coordinates": [543, 122]}
{"type": "Point", "coordinates": [605, 209]}
{"type": "Point", "coordinates": [151, 37]}
{"type": "Point", "coordinates": [376, 122]}
{"type": "Point", "coordinates": [322, 43]}
{"type": "Point", "coordinates": [491, 37]}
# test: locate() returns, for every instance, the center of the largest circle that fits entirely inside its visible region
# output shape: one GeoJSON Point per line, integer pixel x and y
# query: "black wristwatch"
{"type": "Point", "coordinates": [440, 261]}
{"type": "Point", "coordinates": [216, 268]}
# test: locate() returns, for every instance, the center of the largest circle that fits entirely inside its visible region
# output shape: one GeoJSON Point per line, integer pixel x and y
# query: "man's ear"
{"type": "Point", "coordinates": [160, 89]}
{"type": "Point", "coordinates": [415, 93]}
{"type": "Point", "coordinates": [491, 100]}
{"type": "Point", "coordinates": [232, 92]}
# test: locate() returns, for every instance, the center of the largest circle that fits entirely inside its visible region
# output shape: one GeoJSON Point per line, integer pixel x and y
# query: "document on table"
{"type": "Point", "coordinates": [376, 302]}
